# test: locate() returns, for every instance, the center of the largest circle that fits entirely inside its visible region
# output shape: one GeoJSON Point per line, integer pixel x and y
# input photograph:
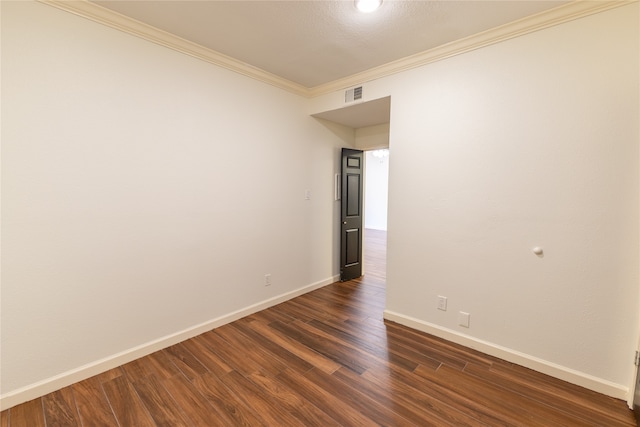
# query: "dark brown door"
{"type": "Point", "coordinates": [351, 224]}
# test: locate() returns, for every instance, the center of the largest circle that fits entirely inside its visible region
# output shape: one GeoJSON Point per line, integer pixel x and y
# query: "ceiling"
{"type": "Point", "coordinates": [312, 43]}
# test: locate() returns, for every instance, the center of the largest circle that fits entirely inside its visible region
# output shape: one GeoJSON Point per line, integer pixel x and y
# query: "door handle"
{"type": "Point", "coordinates": [345, 223]}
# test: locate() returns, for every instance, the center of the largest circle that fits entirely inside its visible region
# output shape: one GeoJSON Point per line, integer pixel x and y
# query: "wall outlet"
{"type": "Point", "coordinates": [267, 279]}
{"type": "Point", "coordinates": [463, 319]}
{"type": "Point", "coordinates": [442, 303]}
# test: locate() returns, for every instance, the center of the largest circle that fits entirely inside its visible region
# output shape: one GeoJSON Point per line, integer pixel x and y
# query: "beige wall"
{"type": "Point", "coordinates": [529, 142]}
{"type": "Point", "coordinates": [145, 194]}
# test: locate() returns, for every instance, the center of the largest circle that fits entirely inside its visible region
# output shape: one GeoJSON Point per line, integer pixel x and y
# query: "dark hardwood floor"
{"type": "Point", "coordinates": [326, 358]}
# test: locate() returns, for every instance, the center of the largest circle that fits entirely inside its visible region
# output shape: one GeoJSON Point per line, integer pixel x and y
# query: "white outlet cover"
{"type": "Point", "coordinates": [442, 303]}
{"type": "Point", "coordinates": [463, 319]}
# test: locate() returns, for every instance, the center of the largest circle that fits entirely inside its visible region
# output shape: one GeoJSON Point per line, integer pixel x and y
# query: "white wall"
{"type": "Point", "coordinates": [144, 195]}
{"type": "Point", "coordinates": [529, 142]}
{"type": "Point", "coordinates": [376, 191]}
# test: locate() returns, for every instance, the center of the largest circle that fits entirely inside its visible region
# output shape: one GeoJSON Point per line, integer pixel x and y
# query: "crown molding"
{"type": "Point", "coordinates": [102, 15]}
{"type": "Point", "coordinates": [565, 13]}
{"type": "Point", "coordinates": [561, 14]}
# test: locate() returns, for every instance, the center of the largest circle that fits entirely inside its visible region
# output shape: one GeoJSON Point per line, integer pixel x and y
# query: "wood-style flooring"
{"type": "Point", "coordinates": [324, 359]}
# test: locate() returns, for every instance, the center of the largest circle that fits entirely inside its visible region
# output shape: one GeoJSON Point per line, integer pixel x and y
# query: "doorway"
{"type": "Point", "coordinates": [376, 192]}
{"type": "Point", "coordinates": [370, 122]}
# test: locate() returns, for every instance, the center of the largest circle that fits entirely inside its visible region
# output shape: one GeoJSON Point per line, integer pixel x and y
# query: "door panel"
{"type": "Point", "coordinates": [353, 247]}
{"type": "Point", "coordinates": [353, 195]}
{"type": "Point", "coordinates": [351, 214]}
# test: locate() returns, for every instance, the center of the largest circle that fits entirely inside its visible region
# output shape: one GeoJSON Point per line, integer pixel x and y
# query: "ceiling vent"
{"type": "Point", "coordinates": [353, 94]}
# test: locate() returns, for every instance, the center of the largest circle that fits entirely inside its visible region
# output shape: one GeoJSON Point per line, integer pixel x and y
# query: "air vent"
{"type": "Point", "coordinates": [353, 94]}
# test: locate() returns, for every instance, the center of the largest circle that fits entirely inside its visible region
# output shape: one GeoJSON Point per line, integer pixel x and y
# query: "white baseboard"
{"type": "Point", "coordinates": [65, 379]}
{"type": "Point", "coordinates": [557, 371]}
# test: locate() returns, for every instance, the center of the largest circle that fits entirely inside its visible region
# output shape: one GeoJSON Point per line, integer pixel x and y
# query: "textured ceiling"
{"type": "Point", "coordinates": [316, 42]}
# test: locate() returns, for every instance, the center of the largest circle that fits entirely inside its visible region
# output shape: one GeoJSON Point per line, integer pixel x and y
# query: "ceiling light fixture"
{"type": "Point", "coordinates": [381, 154]}
{"type": "Point", "coordinates": [368, 6]}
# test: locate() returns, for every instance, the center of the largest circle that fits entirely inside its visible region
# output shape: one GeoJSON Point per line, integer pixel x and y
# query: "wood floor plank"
{"type": "Point", "coordinates": [290, 344]}
{"type": "Point", "coordinates": [60, 408]}
{"type": "Point", "coordinates": [523, 377]}
{"type": "Point", "coordinates": [378, 348]}
{"type": "Point", "coordinates": [186, 362]}
{"type": "Point", "coordinates": [231, 409]}
{"type": "Point", "coordinates": [161, 406]}
{"type": "Point", "coordinates": [28, 414]}
{"type": "Point", "coordinates": [4, 418]}
{"type": "Point", "coordinates": [357, 304]}
{"type": "Point", "coordinates": [137, 370]}
{"type": "Point", "coordinates": [574, 405]}
{"type": "Point", "coordinates": [260, 358]}
{"type": "Point", "coordinates": [524, 411]}
{"type": "Point", "coordinates": [319, 311]}
{"type": "Point", "coordinates": [271, 315]}
{"type": "Point", "coordinates": [455, 354]}
{"type": "Point", "coordinates": [367, 356]}
{"type": "Point", "coordinates": [434, 397]}
{"type": "Point", "coordinates": [339, 353]}
{"type": "Point", "coordinates": [402, 339]}
{"type": "Point", "coordinates": [399, 355]}
{"type": "Point", "coordinates": [268, 409]}
{"type": "Point", "coordinates": [308, 414]}
{"type": "Point", "coordinates": [294, 312]}
{"type": "Point", "coordinates": [127, 406]}
{"type": "Point", "coordinates": [229, 354]}
{"type": "Point", "coordinates": [355, 396]}
{"type": "Point", "coordinates": [417, 407]}
{"type": "Point", "coordinates": [156, 364]}
{"type": "Point", "coordinates": [193, 403]}
{"type": "Point", "coordinates": [349, 295]}
{"type": "Point", "coordinates": [289, 359]}
{"type": "Point", "coordinates": [369, 298]}
{"type": "Point", "coordinates": [209, 359]}
{"type": "Point", "coordinates": [325, 400]}
{"type": "Point", "coordinates": [160, 365]}
{"type": "Point", "coordinates": [93, 407]}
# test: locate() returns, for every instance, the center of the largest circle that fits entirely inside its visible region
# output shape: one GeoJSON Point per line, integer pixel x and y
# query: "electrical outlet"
{"type": "Point", "coordinates": [442, 303]}
{"type": "Point", "coordinates": [463, 319]}
{"type": "Point", "coordinates": [267, 279]}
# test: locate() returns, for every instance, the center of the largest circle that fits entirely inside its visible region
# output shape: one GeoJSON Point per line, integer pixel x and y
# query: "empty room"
{"type": "Point", "coordinates": [182, 231]}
